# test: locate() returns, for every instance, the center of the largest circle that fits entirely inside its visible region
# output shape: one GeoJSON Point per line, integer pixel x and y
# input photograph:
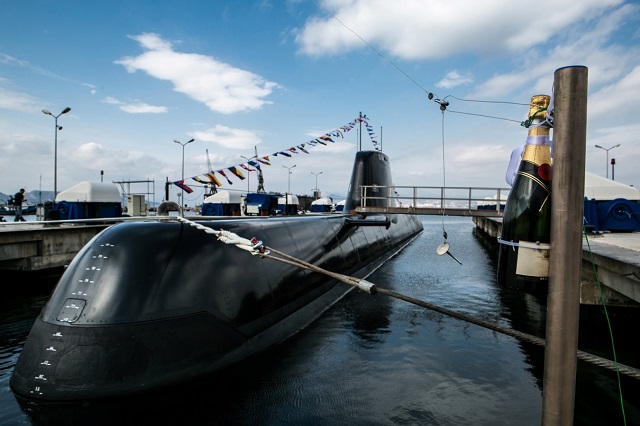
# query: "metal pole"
{"type": "Point", "coordinates": [182, 193]}
{"type": "Point", "coordinates": [613, 169]}
{"type": "Point", "coordinates": [286, 199]}
{"type": "Point", "coordinates": [316, 175]}
{"type": "Point", "coordinates": [607, 163]}
{"type": "Point", "coordinates": [563, 299]}
{"type": "Point", "coordinates": [360, 134]}
{"type": "Point", "coordinates": [248, 172]}
{"type": "Point", "coordinates": [55, 161]}
{"type": "Point", "coordinates": [55, 149]}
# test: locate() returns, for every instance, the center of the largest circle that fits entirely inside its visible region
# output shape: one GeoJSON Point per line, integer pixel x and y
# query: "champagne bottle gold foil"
{"type": "Point", "coordinates": [538, 154]}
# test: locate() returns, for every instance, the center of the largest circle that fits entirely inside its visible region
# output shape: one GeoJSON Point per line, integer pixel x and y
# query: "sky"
{"type": "Point", "coordinates": [241, 77]}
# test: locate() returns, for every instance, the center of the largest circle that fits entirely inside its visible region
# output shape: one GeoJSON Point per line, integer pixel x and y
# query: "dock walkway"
{"type": "Point", "coordinates": [616, 257]}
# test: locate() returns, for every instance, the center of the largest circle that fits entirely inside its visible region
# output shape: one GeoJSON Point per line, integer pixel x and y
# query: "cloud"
{"type": "Point", "coordinates": [595, 47]}
{"type": "Point", "coordinates": [84, 162]}
{"type": "Point", "coordinates": [12, 61]}
{"type": "Point", "coordinates": [92, 88]}
{"type": "Point", "coordinates": [136, 107]}
{"type": "Point", "coordinates": [229, 137]}
{"type": "Point", "coordinates": [17, 101]}
{"type": "Point", "coordinates": [220, 86]}
{"type": "Point", "coordinates": [623, 94]}
{"type": "Point", "coordinates": [415, 29]}
{"type": "Point", "coordinates": [453, 79]}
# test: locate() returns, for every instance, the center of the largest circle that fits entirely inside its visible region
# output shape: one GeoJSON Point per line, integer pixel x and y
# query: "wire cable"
{"type": "Point", "coordinates": [606, 314]}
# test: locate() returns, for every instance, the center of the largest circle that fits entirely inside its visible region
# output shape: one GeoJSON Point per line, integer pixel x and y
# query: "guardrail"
{"type": "Point", "coordinates": [455, 200]}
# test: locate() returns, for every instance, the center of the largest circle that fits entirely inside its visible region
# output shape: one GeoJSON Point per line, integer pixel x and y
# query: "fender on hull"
{"type": "Point", "coordinates": [151, 304]}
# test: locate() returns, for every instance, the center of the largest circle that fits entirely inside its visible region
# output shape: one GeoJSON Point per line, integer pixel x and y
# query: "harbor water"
{"type": "Point", "coordinates": [370, 360]}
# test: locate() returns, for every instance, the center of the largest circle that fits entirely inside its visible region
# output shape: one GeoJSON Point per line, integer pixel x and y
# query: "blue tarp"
{"type": "Point", "coordinates": [619, 215]}
{"type": "Point", "coordinates": [320, 208]}
{"type": "Point", "coordinates": [220, 209]}
{"type": "Point", "coordinates": [264, 203]}
{"type": "Point", "coordinates": [68, 210]}
{"type": "Point", "coordinates": [290, 209]}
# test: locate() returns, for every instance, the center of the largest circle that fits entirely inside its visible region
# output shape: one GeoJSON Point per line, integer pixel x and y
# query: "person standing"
{"type": "Point", "coordinates": [17, 202]}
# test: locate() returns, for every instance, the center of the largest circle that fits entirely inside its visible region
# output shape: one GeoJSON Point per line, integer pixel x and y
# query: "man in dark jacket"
{"type": "Point", "coordinates": [17, 202]}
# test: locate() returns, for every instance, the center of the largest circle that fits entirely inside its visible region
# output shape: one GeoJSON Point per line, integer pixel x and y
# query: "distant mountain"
{"type": "Point", "coordinates": [31, 197]}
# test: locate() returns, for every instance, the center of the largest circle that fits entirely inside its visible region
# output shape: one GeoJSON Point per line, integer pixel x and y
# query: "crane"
{"type": "Point", "coordinates": [212, 186]}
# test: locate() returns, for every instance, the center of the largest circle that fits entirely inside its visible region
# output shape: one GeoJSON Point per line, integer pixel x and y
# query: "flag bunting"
{"type": "Point", "coordinates": [210, 176]}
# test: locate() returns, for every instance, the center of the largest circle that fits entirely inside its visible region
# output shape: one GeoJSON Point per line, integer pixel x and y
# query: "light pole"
{"type": "Point", "coordinates": [607, 149]}
{"type": "Point", "coordinates": [289, 168]}
{"type": "Point", "coordinates": [55, 150]}
{"type": "Point", "coordinates": [316, 175]}
{"type": "Point", "coordinates": [286, 199]}
{"type": "Point", "coordinates": [248, 172]}
{"type": "Point", "coordinates": [182, 196]}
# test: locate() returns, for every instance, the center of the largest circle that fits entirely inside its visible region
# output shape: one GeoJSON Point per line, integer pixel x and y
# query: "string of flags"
{"type": "Point", "coordinates": [211, 177]}
{"type": "Point", "coordinates": [372, 135]}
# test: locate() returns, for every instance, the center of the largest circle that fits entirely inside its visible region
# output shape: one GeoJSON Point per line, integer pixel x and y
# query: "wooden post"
{"type": "Point", "coordinates": [563, 300]}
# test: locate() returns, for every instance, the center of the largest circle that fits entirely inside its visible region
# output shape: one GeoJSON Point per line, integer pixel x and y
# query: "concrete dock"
{"type": "Point", "coordinates": [39, 246]}
{"type": "Point", "coordinates": [615, 257]}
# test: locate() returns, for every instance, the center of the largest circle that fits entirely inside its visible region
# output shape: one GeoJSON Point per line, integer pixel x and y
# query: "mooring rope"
{"type": "Point", "coordinates": [256, 247]}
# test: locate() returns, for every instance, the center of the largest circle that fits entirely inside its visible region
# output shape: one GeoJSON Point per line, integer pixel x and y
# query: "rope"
{"type": "Point", "coordinates": [256, 247]}
{"type": "Point", "coordinates": [227, 237]}
{"type": "Point", "coordinates": [606, 313]}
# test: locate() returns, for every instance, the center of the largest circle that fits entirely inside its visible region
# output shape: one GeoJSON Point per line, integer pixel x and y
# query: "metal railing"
{"type": "Point", "coordinates": [461, 201]}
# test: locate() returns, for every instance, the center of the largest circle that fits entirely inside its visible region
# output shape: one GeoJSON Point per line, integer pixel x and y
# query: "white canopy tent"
{"type": "Point", "coordinates": [603, 189]}
{"type": "Point", "coordinates": [91, 192]}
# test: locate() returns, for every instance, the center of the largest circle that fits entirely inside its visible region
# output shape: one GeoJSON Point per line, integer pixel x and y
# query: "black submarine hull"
{"type": "Point", "coordinates": [150, 304]}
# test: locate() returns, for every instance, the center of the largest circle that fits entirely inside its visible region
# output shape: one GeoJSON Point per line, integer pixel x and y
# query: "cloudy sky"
{"type": "Point", "coordinates": [240, 76]}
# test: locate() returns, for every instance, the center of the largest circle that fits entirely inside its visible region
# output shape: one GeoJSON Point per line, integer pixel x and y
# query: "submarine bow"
{"type": "Point", "coordinates": [151, 304]}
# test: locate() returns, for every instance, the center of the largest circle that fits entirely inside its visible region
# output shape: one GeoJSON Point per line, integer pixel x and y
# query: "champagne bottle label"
{"type": "Point", "coordinates": [532, 262]}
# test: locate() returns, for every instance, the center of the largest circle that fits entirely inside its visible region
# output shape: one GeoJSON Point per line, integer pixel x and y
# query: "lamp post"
{"type": "Point", "coordinates": [55, 149]}
{"type": "Point", "coordinates": [607, 149]}
{"type": "Point", "coordinates": [182, 194]}
{"type": "Point", "coordinates": [316, 175]}
{"type": "Point", "coordinates": [286, 199]}
{"type": "Point", "coordinates": [289, 168]}
{"type": "Point", "coordinates": [248, 172]}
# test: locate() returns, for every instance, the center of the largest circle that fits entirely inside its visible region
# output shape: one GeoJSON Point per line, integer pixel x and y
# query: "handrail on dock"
{"type": "Point", "coordinates": [453, 200]}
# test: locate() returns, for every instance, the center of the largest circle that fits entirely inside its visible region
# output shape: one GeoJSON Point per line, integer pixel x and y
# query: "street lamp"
{"type": "Point", "coordinates": [183, 145]}
{"type": "Point", "coordinates": [55, 150]}
{"type": "Point", "coordinates": [289, 168]}
{"type": "Point", "coordinates": [316, 175]}
{"type": "Point", "coordinates": [249, 173]}
{"type": "Point", "coordinates": [607, 149]}
{"type": "Point", "coordinates": [286, 197]}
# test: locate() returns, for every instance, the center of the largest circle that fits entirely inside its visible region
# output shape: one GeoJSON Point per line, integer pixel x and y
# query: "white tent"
{"type": "Point", "coordinates": [290, 199]}
{"type": "Point", "coordinates": [323, 201]}
{"type": "Point", "coordinates": [91, 192]}
{"type": "Point", "coordinates": [226, 197]}
{"type": "Point", "coordinates": [603, 189]}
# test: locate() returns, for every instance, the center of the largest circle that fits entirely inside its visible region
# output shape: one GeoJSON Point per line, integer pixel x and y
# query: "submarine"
{"type": "Point", "coordinates": [150, 304]}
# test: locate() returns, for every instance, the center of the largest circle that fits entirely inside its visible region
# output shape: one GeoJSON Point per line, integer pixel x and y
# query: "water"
{"type": "Point", "coordinates": [369, 360]}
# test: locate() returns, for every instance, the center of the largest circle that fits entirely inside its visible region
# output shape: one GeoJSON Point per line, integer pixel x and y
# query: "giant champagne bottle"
{"type": "Point", "coordinates": [523, 262]}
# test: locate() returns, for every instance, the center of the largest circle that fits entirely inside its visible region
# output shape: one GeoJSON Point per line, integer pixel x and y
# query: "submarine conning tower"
{"type": "Point", "coordinates": [370, 168]}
